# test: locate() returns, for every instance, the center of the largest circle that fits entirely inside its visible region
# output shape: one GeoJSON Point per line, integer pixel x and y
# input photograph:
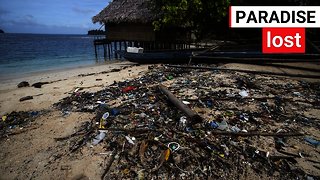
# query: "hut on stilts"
{"type": "Point", "coordinates": [128, 23]}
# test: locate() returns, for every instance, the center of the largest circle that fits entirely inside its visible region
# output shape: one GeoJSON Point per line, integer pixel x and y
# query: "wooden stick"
{"type": "Point", "coordinates": [184, 108]}
{"type": "Point", "coordinates": [112, 158]}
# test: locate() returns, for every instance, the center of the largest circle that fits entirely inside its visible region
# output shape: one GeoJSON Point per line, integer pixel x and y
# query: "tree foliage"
{"type": "Point", "coordinates": [203, 17]}
{"type": "Point", "coordinates": [197, 15]}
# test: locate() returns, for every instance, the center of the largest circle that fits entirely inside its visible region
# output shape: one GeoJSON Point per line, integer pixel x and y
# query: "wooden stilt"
{"type": "Point", "coordinates": [120, 48]}
{"type": "Point", "coordinates": [95, 51]}
{"type": "Point", "coordinates": [109, 50]}
{"type": "Point", "coordinates": [115, 49]}
{"type": "Point", "coordinates": [104, 52]}
{"type": "Point", "coordinates": [125, 45]}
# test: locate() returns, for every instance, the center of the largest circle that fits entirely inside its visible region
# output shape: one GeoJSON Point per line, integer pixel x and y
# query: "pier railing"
{"type": "Point", "coordinates": [110, 47]}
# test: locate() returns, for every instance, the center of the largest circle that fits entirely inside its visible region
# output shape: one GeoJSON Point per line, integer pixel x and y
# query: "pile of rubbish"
{"type": "Point", "coordinates": [16, 120]}
{"type": "Point", "coordinates": [176, 123]}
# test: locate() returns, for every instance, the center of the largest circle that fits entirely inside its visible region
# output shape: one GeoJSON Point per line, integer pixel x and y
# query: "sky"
{"type": "Point", "coordinates": [49, 16]}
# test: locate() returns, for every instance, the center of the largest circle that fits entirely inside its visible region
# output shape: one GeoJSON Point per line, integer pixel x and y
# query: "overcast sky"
{"type": "Point", "coordinates": [49, 16]}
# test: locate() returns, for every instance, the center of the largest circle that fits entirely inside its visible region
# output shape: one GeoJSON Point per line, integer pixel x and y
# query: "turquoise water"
{"type": "Point", "coordinates": [29, 53]}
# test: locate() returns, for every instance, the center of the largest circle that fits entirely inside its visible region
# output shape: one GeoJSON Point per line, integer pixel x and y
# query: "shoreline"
{"type": "Point", "coordinates": [55, 70]}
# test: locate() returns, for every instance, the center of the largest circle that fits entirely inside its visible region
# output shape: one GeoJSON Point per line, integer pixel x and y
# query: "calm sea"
{"type": "Point", "coordinates": [28, 53]}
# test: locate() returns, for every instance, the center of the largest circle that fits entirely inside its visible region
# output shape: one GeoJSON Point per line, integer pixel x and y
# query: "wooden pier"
{"type": "Point", "coordinates": [110, 47]}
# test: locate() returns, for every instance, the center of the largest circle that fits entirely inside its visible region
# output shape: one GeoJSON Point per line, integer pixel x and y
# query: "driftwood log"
{"type": "Point", "coordinates": [184, 108]}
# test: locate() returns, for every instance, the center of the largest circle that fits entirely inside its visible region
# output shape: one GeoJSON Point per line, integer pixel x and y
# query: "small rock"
{"type": "Point", "coordinates": [39, 84]}
{"type": "Point", "coordinates": [23, 84]}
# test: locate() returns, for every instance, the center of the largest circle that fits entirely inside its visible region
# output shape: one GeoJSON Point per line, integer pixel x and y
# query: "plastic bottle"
{"type": "Point", "coordinates": [182, 123]}
{"type": "Point", "coordinates": [103, 120]}
{"type": "Point", "coordinates": [99, 138]}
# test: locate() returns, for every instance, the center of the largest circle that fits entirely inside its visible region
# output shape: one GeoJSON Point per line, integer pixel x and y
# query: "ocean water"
{"type": "Point", "coordinates": [21, 54]}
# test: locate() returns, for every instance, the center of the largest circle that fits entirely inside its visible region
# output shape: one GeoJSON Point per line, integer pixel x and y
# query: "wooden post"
{"type": "Point", "coordinates": [115, 49]}
{"type": "Point", "coordinates": [95, 51]}
{"type": "Point", "coordinates": [104, 52]}
{"type": "Point", "coordinates": [109, 51]}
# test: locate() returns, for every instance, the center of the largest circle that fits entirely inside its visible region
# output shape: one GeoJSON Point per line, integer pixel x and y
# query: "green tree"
{"type": "Point", "coordinates": [197, 15]}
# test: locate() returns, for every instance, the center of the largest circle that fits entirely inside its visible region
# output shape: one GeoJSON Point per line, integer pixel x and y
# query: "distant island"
{"type": "Point", "coordinates": [1, 31]}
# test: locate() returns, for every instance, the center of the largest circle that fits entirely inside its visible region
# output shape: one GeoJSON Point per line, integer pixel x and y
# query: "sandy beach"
{"type": "Point", "coordinates": [61, 84]}
{"type": "Point", "coordinates": [32, 152]}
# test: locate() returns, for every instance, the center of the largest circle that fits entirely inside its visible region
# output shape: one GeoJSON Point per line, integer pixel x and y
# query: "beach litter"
{"type": "Point", "coordinates": [16, 120]}
{"type": "Point", "coordinates": [197, 126]}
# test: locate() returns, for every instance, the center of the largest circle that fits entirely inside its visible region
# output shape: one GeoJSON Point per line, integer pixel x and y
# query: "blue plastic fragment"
{"type": "Point", "coordinates": [189, 129]}
{"type": "Point", "coordinates": [209, 103]}
{"type": "Point", "coordinates": [213, 124]}
{"type": "Point", "coordinates": [115, 112]}
{"type": "Point", "coordinates": [312, 141]}
{"type": "Point", "coordinates": [34, 113]}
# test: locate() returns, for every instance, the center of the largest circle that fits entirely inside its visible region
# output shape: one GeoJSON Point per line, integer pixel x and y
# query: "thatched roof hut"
{"type": "Point", "coordinates": [127, 11]}
{"type": "Point", "coordinates": [131, 20]}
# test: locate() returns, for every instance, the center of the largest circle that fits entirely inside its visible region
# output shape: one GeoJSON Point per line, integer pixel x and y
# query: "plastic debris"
{"type": "Point", "coordinates": [297, 94]}
{"type": "Point", "coordinates": [229, 113]}
{"type": "Point", "coordinates": [141, 174]}
{"type": "Point", "coordinates": [103, 120]}
{"type": "Point", "coordinates": [312, 141]}
{"type": "Point", "coordinates": [173, 146]}
{"type": "Point", "coordinates": [130, 140]}
{"type": "Point", "coordinates": [99, 137]}
{"type": "Point", "coordinates": [170, 77]}
{"type": "Point", "coordinates": [186, 102]}
{"type": "Point", "coordinates": [128, 89]}
{"type": "Point", "coordinates": [167, 154]}
{"type": "Point", "coordinates": [183, 122]}
{"type": "Point", "coordinates": [223, 125]}
{"type": "Point", "coordinates": [243, 93]}
{"type": "Point", "coordinates": [115, 112]}
{"type": "Point", "coordinates": [235, 129]}
{"type": "Point", "coordinates": [65, 113]}
{"type": "Point", "coordinates": [213, 124]}
{"type": "Point", "coordinates": [153, 139]}
{"type": "Point", "coordinates": [209, 103]}
{"type": "Point", "coordinates": [244, 117]}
